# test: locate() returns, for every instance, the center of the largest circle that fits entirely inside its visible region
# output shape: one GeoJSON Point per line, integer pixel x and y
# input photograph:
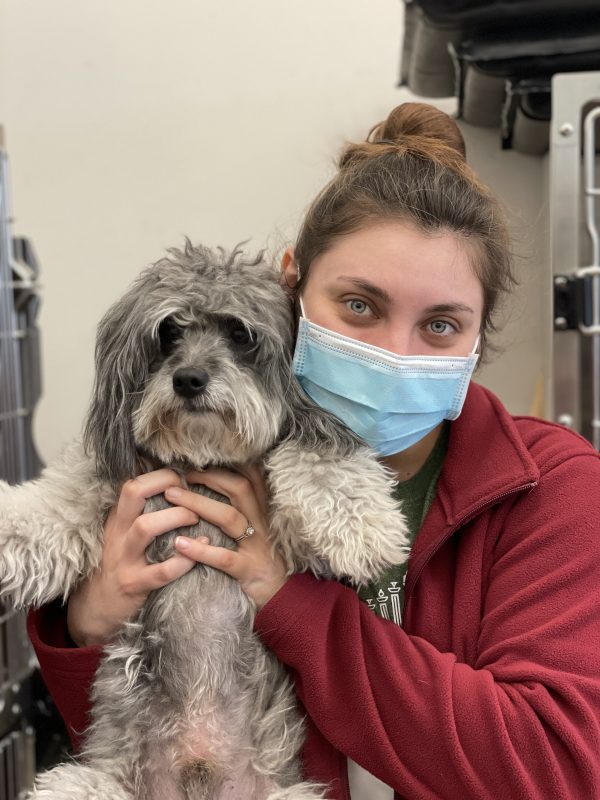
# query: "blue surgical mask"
{"type": "Point", "coordinates": [388, 400]}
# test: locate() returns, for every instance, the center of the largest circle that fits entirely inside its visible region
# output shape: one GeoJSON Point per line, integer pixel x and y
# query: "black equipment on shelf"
{"type": "Point", "coordinates": [24, 703]}
{"type": "Point", "coordinates": [498, 57]}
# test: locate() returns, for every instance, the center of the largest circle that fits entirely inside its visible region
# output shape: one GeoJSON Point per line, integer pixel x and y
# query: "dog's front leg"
{"type": "Point", "coordinates": [51, 530]}
{"type": "Point", "coordinates": [335, 515]}
{"type": "Point", "coordinates": [78, 782]}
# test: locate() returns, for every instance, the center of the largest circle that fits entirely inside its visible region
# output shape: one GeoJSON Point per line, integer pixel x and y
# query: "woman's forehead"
{"type": "Point", "coordinates": [395, 259]}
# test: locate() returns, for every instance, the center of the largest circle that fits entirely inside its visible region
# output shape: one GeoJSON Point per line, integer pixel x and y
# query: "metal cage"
{"type": "Point", "coordinates": [575, 251]}
{"type": "Point", "coordinates": [20, 389]}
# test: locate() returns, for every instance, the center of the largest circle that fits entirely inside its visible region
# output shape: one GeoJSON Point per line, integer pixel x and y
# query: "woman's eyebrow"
{"type": "Point", "coordinates": [445, 308]}
{"type": "Point", "coordinates": [376, 291]}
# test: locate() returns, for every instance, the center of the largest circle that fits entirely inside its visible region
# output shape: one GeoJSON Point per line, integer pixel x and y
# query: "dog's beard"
{"type": "Point", "coordinates": [220, 427]}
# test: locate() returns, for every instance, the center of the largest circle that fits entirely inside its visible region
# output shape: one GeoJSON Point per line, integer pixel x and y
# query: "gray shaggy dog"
{"type": "Point", "coordinates": [188, 704]}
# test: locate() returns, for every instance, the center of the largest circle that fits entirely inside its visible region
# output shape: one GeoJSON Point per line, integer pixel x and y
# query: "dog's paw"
{"type": "Point", "coordinates": [336, 517]}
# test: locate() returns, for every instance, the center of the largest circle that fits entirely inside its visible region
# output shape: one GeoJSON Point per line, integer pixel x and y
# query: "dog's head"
{"type": "Point", "coordinates": [192, 365]}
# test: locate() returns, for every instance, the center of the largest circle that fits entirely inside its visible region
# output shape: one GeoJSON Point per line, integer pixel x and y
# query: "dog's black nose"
{"type": "Point", "coordinates": [189, 382]}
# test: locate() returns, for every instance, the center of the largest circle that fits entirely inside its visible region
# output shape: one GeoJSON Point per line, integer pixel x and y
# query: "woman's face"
{"type": "Point", "coordinates": [395, 287]}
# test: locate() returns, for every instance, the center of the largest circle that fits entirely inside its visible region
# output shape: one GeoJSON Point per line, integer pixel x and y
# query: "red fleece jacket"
{"type": "Point", "coordinates": [491, 689]}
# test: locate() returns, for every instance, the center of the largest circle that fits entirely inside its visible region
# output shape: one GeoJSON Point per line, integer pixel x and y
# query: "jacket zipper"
{"type": "Point", "coordinates": [344, 772]}
{"type": "Point", "coordinates": [491, 501]}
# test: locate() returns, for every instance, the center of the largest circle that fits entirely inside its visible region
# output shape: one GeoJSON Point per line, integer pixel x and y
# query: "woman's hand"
{"type": "Point", "coordinates": [118, 588]}
{"type": "Point", "coordinates": [259, 570]}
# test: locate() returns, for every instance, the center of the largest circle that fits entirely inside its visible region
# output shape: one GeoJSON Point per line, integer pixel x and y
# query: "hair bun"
{"type": "Point", "coordinates": [416, 128]}
{"type": "Point", "coordinates": [422, 120]}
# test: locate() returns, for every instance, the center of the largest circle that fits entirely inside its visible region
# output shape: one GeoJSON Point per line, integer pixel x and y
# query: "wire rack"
{"type": "Point", "coordinates": [20, 390]}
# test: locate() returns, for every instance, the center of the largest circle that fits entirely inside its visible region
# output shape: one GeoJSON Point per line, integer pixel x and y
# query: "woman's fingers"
{"type": "Point", "coordinates": [221, 558]}
{"type": "Point", "coordinates": [245, 492]}
{"type": "Point", "coordinates": [231, 519]}
{"type": "Point", "coordinates": [136, 491]}
{"type": "Point", "coordinates": [158, 575]}
{"type": "Point", "coordinates": [147, 527]}
{"type": "Point", "coordinates": [117, 589]}
{"type": "Point", "coordinates": [259, 569]}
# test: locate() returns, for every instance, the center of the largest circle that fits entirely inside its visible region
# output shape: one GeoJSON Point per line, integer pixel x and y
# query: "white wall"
{"type": "Point", "coordinates": [131, 124]}
{"type": "Point", "coordinates": [520, 372]}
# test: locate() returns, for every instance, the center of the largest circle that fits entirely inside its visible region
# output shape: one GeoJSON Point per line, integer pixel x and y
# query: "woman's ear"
{"type": "Point", "coordinates": [289, 269]}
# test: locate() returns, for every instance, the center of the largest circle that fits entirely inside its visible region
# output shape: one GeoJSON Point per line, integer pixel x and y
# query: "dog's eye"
{"type": "Point", "coordinates": [238, 333]}
{"type": "Point", "coordinates": [168, 333]}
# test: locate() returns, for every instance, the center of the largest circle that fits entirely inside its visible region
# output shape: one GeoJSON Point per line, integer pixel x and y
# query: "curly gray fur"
{"type": "Point", "coordinates": [188, 704]}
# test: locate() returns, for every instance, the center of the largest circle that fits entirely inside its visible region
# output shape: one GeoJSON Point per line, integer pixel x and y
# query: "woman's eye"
{"type": "Point", "coordinates": [441, 328]}
{"type": "Point", "coordinates": [357, 306]}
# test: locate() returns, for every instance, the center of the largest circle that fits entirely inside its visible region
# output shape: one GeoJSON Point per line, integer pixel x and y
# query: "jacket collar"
{"type": "Point", "coordinates": [486, 460]}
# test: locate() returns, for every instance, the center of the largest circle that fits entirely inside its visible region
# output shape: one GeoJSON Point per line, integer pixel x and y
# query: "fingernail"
{"type": "Point", "coordinates": [181, 543]}
{"type": "Point", "coordinates": [174, 491]}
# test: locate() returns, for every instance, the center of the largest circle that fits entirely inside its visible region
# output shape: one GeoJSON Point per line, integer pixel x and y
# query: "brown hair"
{"type": "Point", "coordinates": [412, 168]}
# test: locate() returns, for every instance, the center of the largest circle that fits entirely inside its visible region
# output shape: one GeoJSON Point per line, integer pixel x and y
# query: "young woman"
{"type": "Point", "coordinates": [476, 672]}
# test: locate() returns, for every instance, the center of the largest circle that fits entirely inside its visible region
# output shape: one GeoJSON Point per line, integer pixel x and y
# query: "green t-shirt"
{"type": "Point", "coordinates": [385, 596]}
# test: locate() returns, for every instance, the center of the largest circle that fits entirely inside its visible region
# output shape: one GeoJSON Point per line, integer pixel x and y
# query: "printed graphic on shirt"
{"type": "Point", "coordinates": [388, 602]}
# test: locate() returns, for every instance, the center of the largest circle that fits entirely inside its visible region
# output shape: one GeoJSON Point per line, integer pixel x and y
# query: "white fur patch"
{"type": "Point", "coordinates": [51, 530]}
{"type": "Point", "coordinates": [335, 516]}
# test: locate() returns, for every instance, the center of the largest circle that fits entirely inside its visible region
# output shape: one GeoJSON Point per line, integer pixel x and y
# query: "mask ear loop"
{"type": "Point", "coordinates": [475, 346]}
{"type": "Point", "coordinates": [300, 298]}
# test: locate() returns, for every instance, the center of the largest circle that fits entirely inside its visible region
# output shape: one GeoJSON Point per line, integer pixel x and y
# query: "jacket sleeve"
{"type": "Point", "coordinates": [68, 671]}
{"type": "Point", "coordinates": [523, 720]}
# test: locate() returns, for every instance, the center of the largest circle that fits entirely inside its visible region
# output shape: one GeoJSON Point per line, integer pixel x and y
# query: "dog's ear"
{"type": "Point", "coordinates": [125, 347]}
